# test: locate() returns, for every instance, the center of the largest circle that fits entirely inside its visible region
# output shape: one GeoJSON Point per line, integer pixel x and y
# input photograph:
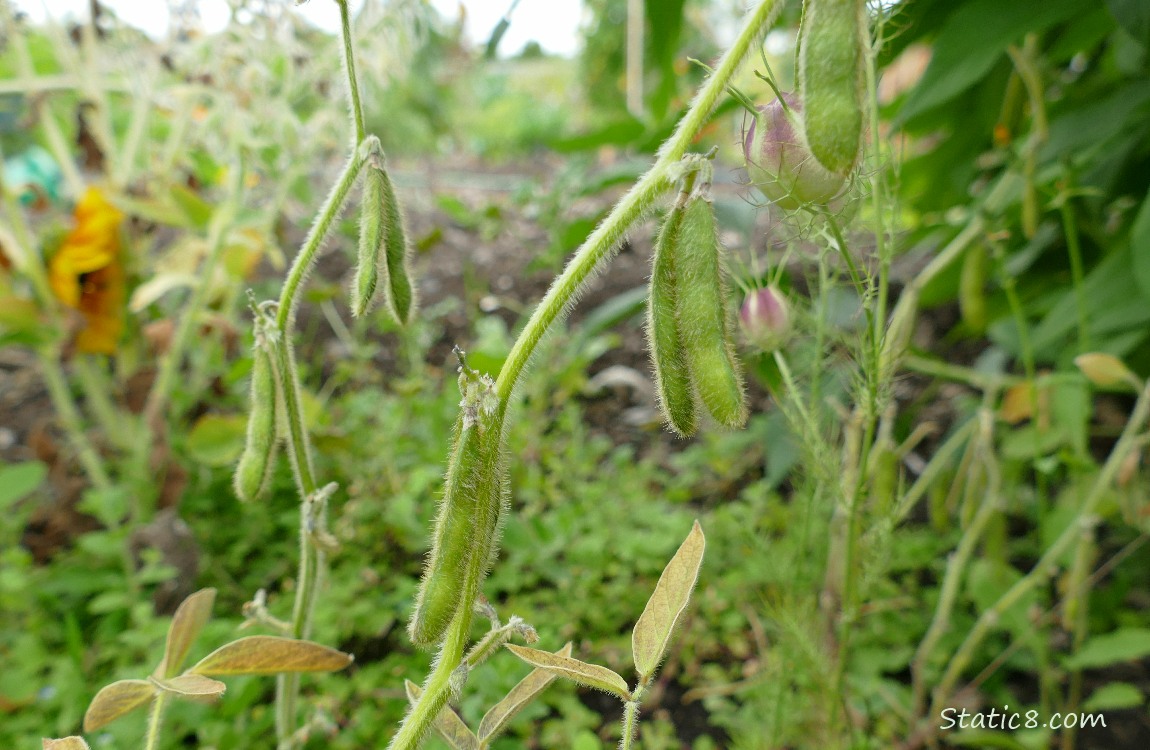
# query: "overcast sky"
{"type": "Point", "coordinates": [552, 23]}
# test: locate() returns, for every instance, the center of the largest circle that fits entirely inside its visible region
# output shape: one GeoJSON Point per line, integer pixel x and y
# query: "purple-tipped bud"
{"type": "Point", "coordinates": [765, 319]}
{"type": "Point", "coordinates": [780, 163]}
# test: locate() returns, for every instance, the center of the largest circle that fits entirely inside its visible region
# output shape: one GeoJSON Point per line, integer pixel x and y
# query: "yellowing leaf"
{"type": "Point", "coordinates": [450, 727]}
{"type": "Point", "coordinates": [1106, 370]}
{"type": "Point", "coordinates": [187, 623]}
{"type": "Point", "coordinates": [268, 654]}
{"type": "Point", "coordinates": [591, 675]}
{"type": "Point", "coordinates": [115, 700]}
{"type": "Point", "coordinates": [653, 631]}
{"type": "Point", "coordinates": [66, 743]}
{"type": "Point", "coordinates": [505, 710]}
{"type": "Point", "coordinates": [193, 687]}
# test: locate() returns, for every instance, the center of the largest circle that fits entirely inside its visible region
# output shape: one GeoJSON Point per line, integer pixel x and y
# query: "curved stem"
{"type": "Point", "coordinates": [607, 236]}
{"type": "Point", "coordinates": [302, 264]}
{"type": "Point", "coordinates": [349, 61]}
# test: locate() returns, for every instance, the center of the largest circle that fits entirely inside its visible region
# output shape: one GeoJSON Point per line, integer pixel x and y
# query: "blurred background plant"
{"type": "Point", "coordinates": [1014, 150]}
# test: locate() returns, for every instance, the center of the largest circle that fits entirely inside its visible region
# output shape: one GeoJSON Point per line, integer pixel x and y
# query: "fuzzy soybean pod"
{"type": "Point", "coordinates": [443, 577]}
{"type": "Point", "coordinates": [672, 375]}
{"type": "Point", "coordinates": [703, 325]}
{"type": "Point", "coordinates": [466, 528]}
{"type": "Point", "coordinates": [372, 237]}
{"type": "Point", "coordinates": [401, 294]}
{"type": "Point", "coordinates": [254, 470]}
{"type": "Point", "coordinates": [830, 73]}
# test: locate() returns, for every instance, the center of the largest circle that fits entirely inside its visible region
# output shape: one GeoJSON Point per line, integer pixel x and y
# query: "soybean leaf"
{"type": "Point", "coordinates": [1125, 644]}
{"type": "Point", "coordinates": [193, 687]}
{"type": "Point", "coordinates": [591, 675]}
{"type": "Point", "coordinates": [18, 480]}
{"type": "Point", "coordinates": [968, 47]}
{"type": "Point", "coordinates": [65, 743]}
{"type": "Point", "coordinates": [187, 623]}
{"type": "Point", "coordinates": [217, 439]}
{"type": "Point", "coordinates": [653, 631]}
{"type": "Point", "coordinates": [115, 700]}
{"type": "Point", "coordinates": [1114, 696]}
{"type": "Point", "coordinates": [269, 654]}
{"type": "Point", "coordinates": [450, 727]}
{"type": "Point", "coordinates": [523, 693]}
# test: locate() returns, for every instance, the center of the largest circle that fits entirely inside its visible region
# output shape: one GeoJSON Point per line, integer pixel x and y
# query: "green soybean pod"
{"type": "Point", "coordinates": [401, 294]}
{"type": "Point", "coordinates": [372, 237]}
{"type": "Point", "coordinates": [703, 326]}
{"type": "Point", "coordinates": [444, 576]}
{"type": "Point", "coordinates": [254, 470]}
{"type": "Point", "coordinates": [672, 375]}
{"type": "Point", "coordinates": [830, 73]}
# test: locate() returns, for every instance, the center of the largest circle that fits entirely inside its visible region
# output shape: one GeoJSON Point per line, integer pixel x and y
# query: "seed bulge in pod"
{"type": "Point", "coordinates": [672, 375]}
{"type": "Point", "coordinates": [830, 72]}
{"type": "Point", "coordinates": [702, 315]}
{"type": "Point", "coordinates": [254, 470]}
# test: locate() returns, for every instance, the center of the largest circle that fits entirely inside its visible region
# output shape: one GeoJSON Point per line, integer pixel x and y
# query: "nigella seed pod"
{"type": "Point", "coordinates": [830, 72]}
{"type": "Point", "coordinates": [702, 315]}
{"type": "Point", "coordinates": [401, 294]}
{"type": "Point", "coordinates": [779, 162]}
{"type": "Point", "coordinates": [372, 236]}
{"type": "Point", "coordinates": [672, 376]}
{"type": "Point", "coordinates": [765, 319]}
{"type": "Point", "coordinates": [254, 470]}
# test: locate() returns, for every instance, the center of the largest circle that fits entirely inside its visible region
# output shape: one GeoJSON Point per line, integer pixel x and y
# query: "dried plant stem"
{"type": "Point", "coordinates": [598, 247]}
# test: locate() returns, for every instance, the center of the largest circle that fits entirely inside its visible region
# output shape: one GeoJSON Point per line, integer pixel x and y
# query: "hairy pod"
{"type": "Point", "coordinates": [466, 527]}
{"type": "Point", "coordinates": [830, 74]}
{"type": "Point", "coordinates": [372, 236]}
{"type": "Point", "coordinates": [443, 576]}
{"type": "Point", "coordinates": [668, 359]}
{"type": "Point", "coordinates": [401, 294]}
{"type": "Point", "coordinates": [972, 287]}
{"type": "Point", "coordinates": [254, 470]}
{"type": "Point", "coordinates": [703, 325]}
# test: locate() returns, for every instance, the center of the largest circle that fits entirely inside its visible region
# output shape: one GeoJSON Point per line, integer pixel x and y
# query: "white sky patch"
{"type": "Point", "coordinates": [552, 23]}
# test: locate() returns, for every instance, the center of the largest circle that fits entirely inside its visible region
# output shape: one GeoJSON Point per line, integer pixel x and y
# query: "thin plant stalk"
{"type": "Point", "coordinates": [155, 719]}
{"type": "Point", "coordinates": [1045, 566]}
{"type": "Point", "coordinates": [598, 247]}
{"type": "Point", "coordinates": [983, 449]}
{"type": "Point", "coordinates": [312, 558]}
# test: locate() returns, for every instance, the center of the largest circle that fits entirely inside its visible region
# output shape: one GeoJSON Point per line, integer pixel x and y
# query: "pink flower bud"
{"type": "Point", "coordinates": [764, 318]}
{"type": "Point", "coordinates": [779, 161]}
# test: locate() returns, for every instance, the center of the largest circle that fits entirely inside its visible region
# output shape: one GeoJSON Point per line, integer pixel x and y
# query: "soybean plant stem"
{"type": "Point", "coordinates": [155, 716]}
{"type": "Point", "coordinates": [311, 559]}
{"type": "Point", "coordinates": [331, 209]}
{"type": "Point", "coordinates": [349, 62]}
{"type": "Point", "coordinates": [595, 250]}
{"type": "Point", "coordinates": [607, 236]}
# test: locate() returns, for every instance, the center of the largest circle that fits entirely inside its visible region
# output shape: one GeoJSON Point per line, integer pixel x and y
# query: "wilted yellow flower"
{"type": "Point", "coordinates": [87, 273]}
